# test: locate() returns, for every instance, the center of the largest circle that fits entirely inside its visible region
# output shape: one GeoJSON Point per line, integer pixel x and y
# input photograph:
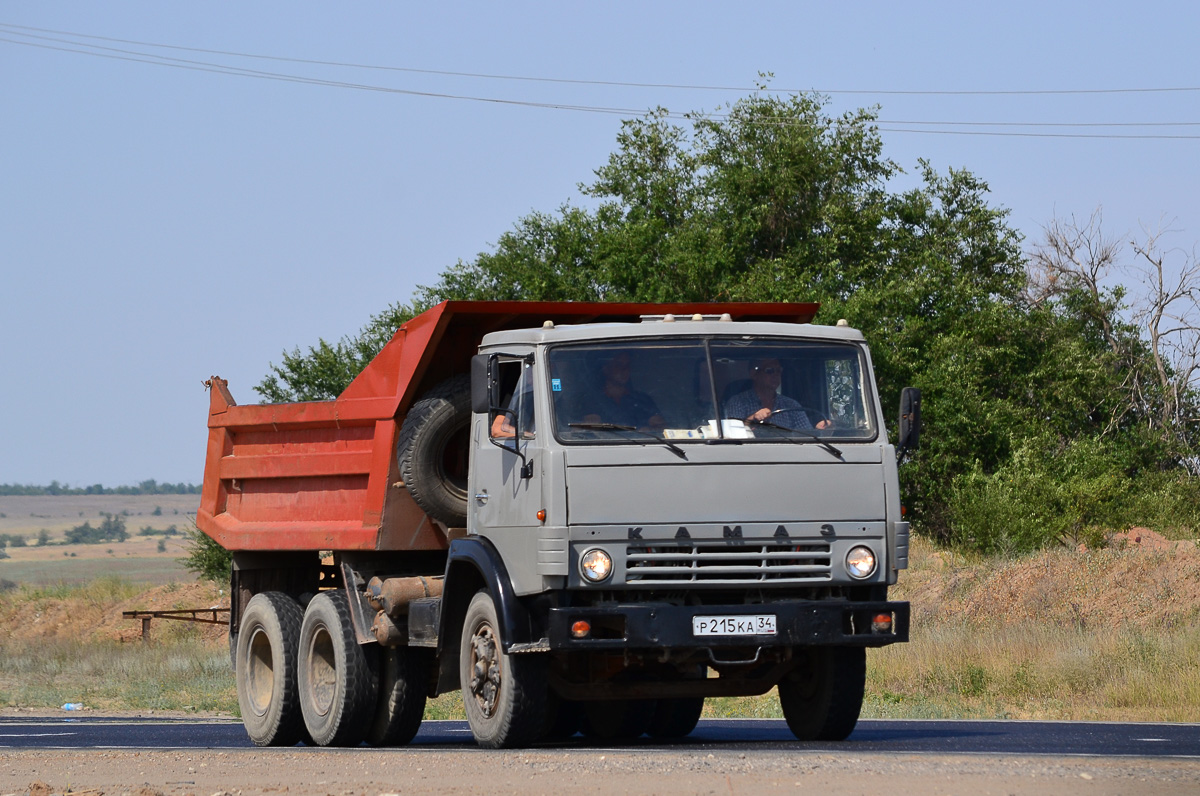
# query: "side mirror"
{"type": "Point", "coordinates": [910, 420]}
{"type": "Point", "coordinates": [481, 383]}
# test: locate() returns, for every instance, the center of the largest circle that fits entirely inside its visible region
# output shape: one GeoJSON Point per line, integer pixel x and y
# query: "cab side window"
{"type": "Point", "coordinates": [515, 414]}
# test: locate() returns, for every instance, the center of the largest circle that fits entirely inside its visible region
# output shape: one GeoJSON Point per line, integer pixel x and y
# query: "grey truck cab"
{"type": "Point", "coordinates": [675, 509]}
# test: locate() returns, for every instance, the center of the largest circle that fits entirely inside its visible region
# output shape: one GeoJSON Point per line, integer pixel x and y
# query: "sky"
{"type": "Point", "coordinates": [160, 224]}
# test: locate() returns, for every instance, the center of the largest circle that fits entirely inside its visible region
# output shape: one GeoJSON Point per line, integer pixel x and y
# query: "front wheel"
{"type": "Point", "coordinates": [504, 695]}
{"type": "Point", "coordinates": [822, 697]}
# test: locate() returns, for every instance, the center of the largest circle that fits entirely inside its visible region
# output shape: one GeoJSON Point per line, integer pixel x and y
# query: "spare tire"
{"type": "Point", "coordinates": [433, 450]}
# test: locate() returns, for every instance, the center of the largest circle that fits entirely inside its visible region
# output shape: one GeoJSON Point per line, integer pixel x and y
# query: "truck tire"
{"type": "Point", "coordinates": [675, 718]}
{"type": "Point", "coordinates": [433, 448]}
{"type": "Point", "coordinates": [562, 718]}
{"type": "Point", "coordinates": [822, 697]}
{"type": "Point", "coordinates": [617, 719]}
{"type": "Point", "coordinates": [504, 695]}
{"type": "Point", "coordinates": [338, 683]}
{"type": "Point", "coordinates": [403, 684]}
{"type": "Point", "coordinates": [265, 650]}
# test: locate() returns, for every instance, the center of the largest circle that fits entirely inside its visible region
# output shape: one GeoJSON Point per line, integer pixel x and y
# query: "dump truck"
{"type": "Point", "coordinates": [587, 517]}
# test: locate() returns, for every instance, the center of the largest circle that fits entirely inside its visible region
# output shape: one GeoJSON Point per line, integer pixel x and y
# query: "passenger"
{"type": "Point", "coordinates": [522, 403]}
{"type": "Point", "coordinates": [617, 402]}
{"type": "Point", "coordinates": [764, 403]}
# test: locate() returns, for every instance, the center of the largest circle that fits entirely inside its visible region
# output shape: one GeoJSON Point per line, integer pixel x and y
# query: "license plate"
{"type": "Point", "coordinates": [755, 625]}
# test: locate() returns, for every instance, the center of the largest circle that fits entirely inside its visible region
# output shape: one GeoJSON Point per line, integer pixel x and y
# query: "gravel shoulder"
{"type": "Point", "coordinates": [417, 771]}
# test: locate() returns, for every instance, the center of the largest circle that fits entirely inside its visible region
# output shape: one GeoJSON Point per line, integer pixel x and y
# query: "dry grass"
{"type": "Point", "coordinates": [1061, 634]}
{"type": "Point", "coordinates": [1109, 634]}
{"type": "Point", "coordinates": [69, 643]}
{"type": "Point", "coordinates": [1039, 672]}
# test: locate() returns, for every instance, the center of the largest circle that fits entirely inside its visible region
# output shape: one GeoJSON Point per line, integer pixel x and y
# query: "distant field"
{"type": "Point", "coordinates": [137, 559]}
{"type": "Point", "coordinates": [149, 571]}
{"type": "Point", "coordinates": [26, 515]}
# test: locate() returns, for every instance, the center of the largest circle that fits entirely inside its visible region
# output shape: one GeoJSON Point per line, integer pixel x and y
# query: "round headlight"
{"type": "Point", "coordinates": [596, 565]}
{"type": "Point", "coordinates": [860, 562]}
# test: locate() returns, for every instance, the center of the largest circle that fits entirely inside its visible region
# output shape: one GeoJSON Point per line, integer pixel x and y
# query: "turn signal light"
{"type": "Point", "coordinates": [881, 623]}
{"type": "Point", "coordinates": [580, 629]}
{"type": "Point", "coordinates": [541, 515]}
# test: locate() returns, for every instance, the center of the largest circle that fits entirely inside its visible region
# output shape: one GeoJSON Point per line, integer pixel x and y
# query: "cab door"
{"type": "Point", "coordinates": [505, 483]}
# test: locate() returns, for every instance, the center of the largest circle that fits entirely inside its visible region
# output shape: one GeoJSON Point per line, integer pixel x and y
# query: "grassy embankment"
{"type": "Point", "coordinates": [1107, 634]}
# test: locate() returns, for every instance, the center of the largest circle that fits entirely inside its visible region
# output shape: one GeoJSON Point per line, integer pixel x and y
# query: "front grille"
{"type": "Point", "coordinates": [722, 563]}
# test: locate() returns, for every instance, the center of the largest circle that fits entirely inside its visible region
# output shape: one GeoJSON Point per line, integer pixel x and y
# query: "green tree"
{"type": "Point", "coordinates": [778, 200]}
{"type": "Point", "coordinates": [326, 369]}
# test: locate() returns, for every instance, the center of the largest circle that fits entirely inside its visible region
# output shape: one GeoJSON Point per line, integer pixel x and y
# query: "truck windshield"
{"type": "Point", "coordinates": [704, 389]}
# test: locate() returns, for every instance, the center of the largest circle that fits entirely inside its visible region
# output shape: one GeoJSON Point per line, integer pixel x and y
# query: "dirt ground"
{"type": "Point", "coordinates": [418, 771]}
{"type": "Point", "coordinates": [96, 620]}
{"type": "Point", "coordinates": [1142, 580]}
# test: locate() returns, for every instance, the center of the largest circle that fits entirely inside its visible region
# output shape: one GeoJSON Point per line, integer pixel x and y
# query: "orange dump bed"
{"type": "Point", "coordinates": [322, 475]}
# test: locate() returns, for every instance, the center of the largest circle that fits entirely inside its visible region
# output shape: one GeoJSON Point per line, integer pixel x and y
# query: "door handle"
{"type": "Point", "coordinates": [482, 496]}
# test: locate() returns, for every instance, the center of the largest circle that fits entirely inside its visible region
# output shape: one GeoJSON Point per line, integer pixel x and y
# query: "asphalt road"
{"type": "Point", "coordinates": [911, 737]}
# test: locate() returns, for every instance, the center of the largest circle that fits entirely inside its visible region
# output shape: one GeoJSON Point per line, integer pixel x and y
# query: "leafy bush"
{"type": "Point", "coordinates": [206, 558]}
{"type": "Point", "coordinates": [1073, 493]}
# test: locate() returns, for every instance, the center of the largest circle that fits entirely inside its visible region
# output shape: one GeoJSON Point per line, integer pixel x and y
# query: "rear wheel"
{"type": "Point", "coordinates": [617, 719]}
{"type": "Point", "coordinates": [265, 650]}
{"type": "Point", "coordinates": [403, 683]}
{"type": "Point", "coordinates": [822, 697]}
{"type": "Point", "coordinates": [338, 684]}
{"type": "Point", "coordinates": [504, 695]}
{"type": "Point", "coordinates": [676, 718]}
{"type": "Point", "coordinates": [563, 717]}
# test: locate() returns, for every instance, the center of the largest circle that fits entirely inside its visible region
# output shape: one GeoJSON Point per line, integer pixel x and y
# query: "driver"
{"type": "Point", "coordinates": [617, 402]}
{"type": "Point", "coordinates": [764, 403]}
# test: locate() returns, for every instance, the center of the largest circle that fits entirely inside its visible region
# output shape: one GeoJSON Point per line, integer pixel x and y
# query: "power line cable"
{"type": "Point", "coordinates": [203, 66]}
{"type": "Point", "coordinates": [200, 66]}
{"type": "Point", "coordinates": [623, 84]}
{"type": "Point", "coordinates": [1000, 133]}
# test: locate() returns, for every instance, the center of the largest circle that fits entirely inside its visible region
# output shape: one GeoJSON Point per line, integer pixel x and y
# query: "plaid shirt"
{"type": "Point", "coordinates": [744, 404]}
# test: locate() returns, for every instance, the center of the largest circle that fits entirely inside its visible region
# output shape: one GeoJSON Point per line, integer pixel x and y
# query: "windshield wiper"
{"type": "Point", "coordinates": [805, 432]}
{"type": "Point", "coordinates": [678, 451]}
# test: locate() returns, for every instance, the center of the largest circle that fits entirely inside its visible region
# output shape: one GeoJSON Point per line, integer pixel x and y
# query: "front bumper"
{"type": "Point", "coordinates": [658, 626]}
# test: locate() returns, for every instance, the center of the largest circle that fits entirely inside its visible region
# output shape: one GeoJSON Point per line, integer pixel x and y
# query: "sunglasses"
{"type": "Point", "coordinates": [768, 370]}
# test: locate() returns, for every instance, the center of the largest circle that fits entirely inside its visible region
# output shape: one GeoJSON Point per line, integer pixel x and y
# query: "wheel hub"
{"type": "Point", "coordinates": [485, 670]}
